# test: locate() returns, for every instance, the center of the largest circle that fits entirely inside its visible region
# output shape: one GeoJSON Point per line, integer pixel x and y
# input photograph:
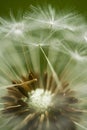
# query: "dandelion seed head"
{"type": "Point", "coordinates": [43, 71]}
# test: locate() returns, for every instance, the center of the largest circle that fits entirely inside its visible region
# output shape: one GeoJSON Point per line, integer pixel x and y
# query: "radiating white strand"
{"type": "Point", "coordinates": [81, 126]}
{"type": "Point", "coordinates": [52, 69]}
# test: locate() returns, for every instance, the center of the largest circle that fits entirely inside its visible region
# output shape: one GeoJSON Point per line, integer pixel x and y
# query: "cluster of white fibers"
{"type": "Point", "coordinates": [43, 56]}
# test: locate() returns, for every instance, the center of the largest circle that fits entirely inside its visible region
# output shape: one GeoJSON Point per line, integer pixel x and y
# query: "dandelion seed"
{"type": "Point", "coordinates": [13, 28]}
{"type": "Point", "coordinates": [43, 71]}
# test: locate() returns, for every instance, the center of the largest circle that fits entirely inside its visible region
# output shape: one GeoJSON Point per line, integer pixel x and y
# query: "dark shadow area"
{"type": "Point", "coordinates": [23, 5]}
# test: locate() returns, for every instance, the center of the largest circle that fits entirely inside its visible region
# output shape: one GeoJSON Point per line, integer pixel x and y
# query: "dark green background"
{"type": "Point", "coordinates": [15, 5]}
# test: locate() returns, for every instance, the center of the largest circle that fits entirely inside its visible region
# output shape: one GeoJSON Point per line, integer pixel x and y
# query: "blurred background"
{"type": "Point", "coordinates": [14, 5]}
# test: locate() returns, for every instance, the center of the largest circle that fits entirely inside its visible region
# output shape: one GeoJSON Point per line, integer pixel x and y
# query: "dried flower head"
{"type": "Point", "coordinates": [43, 71]}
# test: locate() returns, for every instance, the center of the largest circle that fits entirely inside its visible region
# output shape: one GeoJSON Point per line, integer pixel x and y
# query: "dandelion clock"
{"type": "Point", "coordinates": [43, 71]}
